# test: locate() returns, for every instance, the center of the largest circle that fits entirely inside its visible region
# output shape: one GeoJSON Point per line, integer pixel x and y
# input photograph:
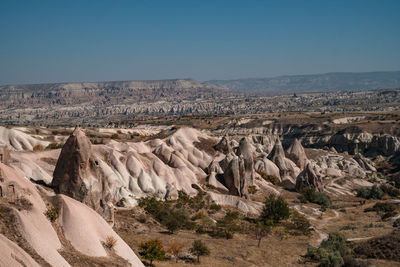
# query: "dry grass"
{"type": "Point", "coordinates": [240, 251]}
{"type": "Point", "coordinates": [110, 242]}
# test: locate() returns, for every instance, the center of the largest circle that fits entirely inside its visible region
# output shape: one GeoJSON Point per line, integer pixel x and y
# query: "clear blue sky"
{"type": "Point", "coordinates": [57, 41]}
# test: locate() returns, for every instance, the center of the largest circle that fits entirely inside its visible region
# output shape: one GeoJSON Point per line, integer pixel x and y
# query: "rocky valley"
{"type": "Point", "coordinates": [118, 103]}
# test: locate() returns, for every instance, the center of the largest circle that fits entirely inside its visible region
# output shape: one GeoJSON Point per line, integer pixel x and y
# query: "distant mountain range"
{"type": "Point", "coordinates": [335, 81]}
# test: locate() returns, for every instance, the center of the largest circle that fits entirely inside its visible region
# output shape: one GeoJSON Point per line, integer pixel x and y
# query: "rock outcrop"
{"type": "Point", "coordinates": [308, 179]}
{"type": "Point", "coordinates": [245, 152]}
{"type": "Point", "coordinates": [238, 169]}
{"type": "Point", "coordinates": [78, 175]}
{"type": "Point", "coordinates": [296, 153]}
{"type": "Point", "coordinates": [287, 169]}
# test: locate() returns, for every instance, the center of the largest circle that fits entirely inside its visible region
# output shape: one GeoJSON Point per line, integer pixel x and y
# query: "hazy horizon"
{"type": "Point", "coordinates": [49, 42]}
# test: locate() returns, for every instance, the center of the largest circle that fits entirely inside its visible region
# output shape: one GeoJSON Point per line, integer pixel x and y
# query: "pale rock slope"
{"type": "Point", "coordinates": [13, 255]}
{"type": "Point", "coordinates": [40, 234]}
{"type": "Point", "coordinates": [86, 230]}
{"type": "Point", "coordinates": [18, 140]}
{"type": "Point", "coordinates": [33, 224]}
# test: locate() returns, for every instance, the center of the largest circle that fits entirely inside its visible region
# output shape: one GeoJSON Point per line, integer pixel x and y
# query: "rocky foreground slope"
{"type": "Point", "coordinates": [87, 179]}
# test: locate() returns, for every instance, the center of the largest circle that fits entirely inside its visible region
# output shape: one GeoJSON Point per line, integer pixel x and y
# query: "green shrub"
{"type": "Point", "coordinates": [172, 217]}
{"type": "Point", "coordinates": [331, 251]}
{"type": "Point", "coordinates": [310, 195]}
{"type": "Point", "coordinates": [274, 210]}
{"type": "Point", "coordinates": [347, 227]}
{"type": "Point", "coordinates": [370, 193]}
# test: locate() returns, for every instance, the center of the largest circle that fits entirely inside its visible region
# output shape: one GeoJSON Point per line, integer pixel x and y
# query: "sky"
{"type": "Point", "coordinates": [66, 41]}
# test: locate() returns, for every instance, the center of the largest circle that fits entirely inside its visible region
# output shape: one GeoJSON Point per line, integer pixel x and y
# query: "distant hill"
{"type": "Point", "coordinates": [105, 93]}
{"type": "Point", "coordinates": [343, 81]}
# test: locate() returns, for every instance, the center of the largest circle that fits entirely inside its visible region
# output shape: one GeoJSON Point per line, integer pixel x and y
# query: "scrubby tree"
{"type": "Point", "coordinates": [199, 249]}
{"type": "Point", "coordinates": [261, 229]}
{"type": "Point", "coordinates": [152, 250]}
{"type": "Point", "coordinates": [275, 209]}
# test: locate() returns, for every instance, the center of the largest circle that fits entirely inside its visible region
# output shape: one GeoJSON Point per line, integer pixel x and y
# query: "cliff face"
{"type": "Point", "coordinates": [101, 93]}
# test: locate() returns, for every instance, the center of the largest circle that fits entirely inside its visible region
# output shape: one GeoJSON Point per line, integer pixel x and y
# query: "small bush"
{"type": "Point", "coordinates": [142, 218]}
{"type": "Point", "coordinates": [270, 178]}
{"type": "Point", "coordinates": [51, 213]}
{"type": "Point", "coordinates": [115, 136]}
{"type": "Point", "coordinates": [319, 198]}
{"type": "Point", "coordinates": [347, 227]}
{"type": "Point", "coordinates": [370, 193]}
{"type": "Point", "coordinates": [331, 251]}
{"type": "Point", "coordinates": [252, 189]}
{"type": "Point", "coordinates": [121, 202]}
{"type": "Point", "coordinates": [110, 242]}
{"type": "Point", "coordinates": [54, 146]}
